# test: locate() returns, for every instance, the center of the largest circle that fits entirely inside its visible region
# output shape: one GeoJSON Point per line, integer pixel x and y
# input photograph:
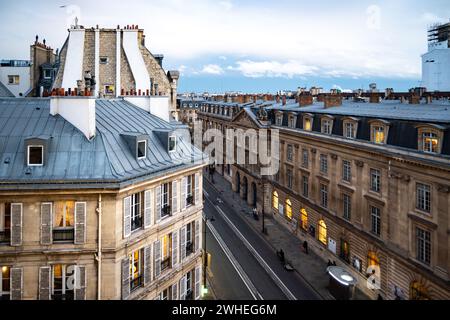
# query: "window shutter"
{"type": "Point", "coordinates": [157, 257]}
{"type": "Point", "coordinates": [46, 223]}
{"type": "Point", "coordinates": [197, 235]}
{"type": "Point", "coordinates": [175, 291]}
{"type": "Point", "coordinates": [80, 282]}
{"type": "Point", "coordinates": [126, 217]}
{"type": "Point", "coordinates": [198, 280]}
{"type": "Point", "coordinates": [125, 278]}
{"type": "Point", "coordinates": [183, 193]}
{"type": "Point", "coordinates": [197, 199]}
{"type": "Point", "coordinates": [174, 248]}
{"type": "Point", "coordinates": [80, 222]}
{"type": "Point", "coordinates": [158, 203]}
{"type": "Point", "coordinates": [147, 265]}
{"type": "Point", "coordinates": [16, 280]}
{"type": "Point", "coordinates": [183, 288]}
{"type": "Point", "coordinates": [16, 224]}
{"type": "Point", "coordinates": [174, 197]}
{"type": "Point", "coordinates": [183, 244]}
{"type": "Point", "coordinates": [44, 283]}
{"type": "Point", "coordinates": [148, 219]}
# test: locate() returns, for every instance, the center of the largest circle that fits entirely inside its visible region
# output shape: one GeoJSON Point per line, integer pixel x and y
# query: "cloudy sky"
{"type": "Point", "coordinates": [251, 45]}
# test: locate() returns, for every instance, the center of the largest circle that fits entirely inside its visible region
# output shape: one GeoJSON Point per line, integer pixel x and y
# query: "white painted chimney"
{"type": "Point", "coordinates": [79, 111]}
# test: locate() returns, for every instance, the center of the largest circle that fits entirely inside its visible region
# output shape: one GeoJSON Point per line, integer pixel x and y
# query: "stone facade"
{"type": "Point", "coordinates": [106, 258]}
{"type": "Point", "coordinates": [349, 238]}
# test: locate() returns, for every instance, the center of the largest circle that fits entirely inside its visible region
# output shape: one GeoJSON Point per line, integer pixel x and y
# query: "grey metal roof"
{"type": "Point", "coordinates": [4, 91]}
{"type": "Point", "coordinates": [72, 158]}
{"type": "Point", "coordinates": [438, 111]}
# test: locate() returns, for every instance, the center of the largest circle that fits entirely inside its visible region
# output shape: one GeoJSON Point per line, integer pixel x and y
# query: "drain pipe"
{"type": "Point", "coordinates": [99, 250]}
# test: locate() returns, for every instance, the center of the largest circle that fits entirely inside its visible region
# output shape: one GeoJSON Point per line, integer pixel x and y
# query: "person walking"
{"type": "Point", "coordinates": [305, 246]}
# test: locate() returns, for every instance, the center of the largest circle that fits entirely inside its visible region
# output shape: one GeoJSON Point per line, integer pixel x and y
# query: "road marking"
{"type": "Point", "coordinates": [258, 257]}
{"type": "Point", "coordinates": [240, 271]}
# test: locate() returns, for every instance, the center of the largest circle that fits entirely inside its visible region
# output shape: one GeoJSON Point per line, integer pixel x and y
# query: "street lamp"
{"type": "Point", "coordinates": [205, 254]}
{"type": "Point", "coordinates": [263, 207]}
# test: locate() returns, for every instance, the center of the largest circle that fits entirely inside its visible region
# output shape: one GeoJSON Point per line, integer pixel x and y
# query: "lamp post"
{"type": "Point", "coordinates": [263, 205]}
{"type": "Point", "coordinates": [205, 255]}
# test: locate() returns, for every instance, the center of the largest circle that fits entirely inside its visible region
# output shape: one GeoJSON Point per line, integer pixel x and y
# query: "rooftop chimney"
{"type": "Point", "coordinates": [374, 98]}
{"type": "Point", "coordinates": [305, 100]}
{"type": "Point", "coordinates": [414, 99]}
{"type": "Point", "coordinates": [332, 100]}
{"type": "Point", "coordinates": [284, 100]}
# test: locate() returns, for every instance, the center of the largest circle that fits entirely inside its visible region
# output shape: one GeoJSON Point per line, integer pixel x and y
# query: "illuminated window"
{"type": "Point", "coordinates": [418, 291]}
{"type": "Point", "coordinates": [135, 270]}
{"type": "Point", "coordinates": [289, 209]}
{"type": "Point", "coordinates": [378, 134]}
{"type": "Point", "coordinates": [372, 259]}
{"type": "Point", "coordinates": [307, 124]}
{"type": "Point", "coordinates": [304, 219]}
{"type": "Point", "coordinates": [275, 200]}
{"type": "Point", "coordinates": [345, 251]}
{"type": "Point", "coordinates": [63, 223]}
{"type": "Point", "coordinates": [430, 142]}
{"type": "Point", "coordinates": [109, 89]}
{"type": "Point", "coordinates": [63, 280]}
{"type": "Point", "coordinates": [5, 285]}
{"type": "Point", "coordinates": [322, 232]}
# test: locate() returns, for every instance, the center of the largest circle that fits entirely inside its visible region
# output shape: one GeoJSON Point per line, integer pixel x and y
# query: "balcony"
{"type": "Point", "coordinates": [5, 236]}
{"type": "Point", "coordinates": [63, 235]}
{"type": "Point", "coordinates": [189, 200]}
{"type": "Point", "coordinates": [165, 264]}
{"type": "Point", "coordinates": [189, 248]}
{"type": "Point", "coordinates": [165, 211]}
{"type": "Point", "coordinates": [135, 283]}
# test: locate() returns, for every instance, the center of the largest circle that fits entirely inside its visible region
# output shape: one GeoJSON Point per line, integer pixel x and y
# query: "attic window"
{"type": "Point", "coordinates": [142, 149]}
{"type": "Point", "coordinates": [35, 155]}
{"type": "Point", "coordinates": [172, 143]}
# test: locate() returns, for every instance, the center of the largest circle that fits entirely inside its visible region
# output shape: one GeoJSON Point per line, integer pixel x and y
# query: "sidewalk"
{"type": "Point", "coordinates": [310, 267]}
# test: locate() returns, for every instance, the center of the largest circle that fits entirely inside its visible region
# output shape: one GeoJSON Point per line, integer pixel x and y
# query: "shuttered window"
{"type": "Point", "coordinates": [63, 281]}
{"type": "Point", "coordinates": [5, 223]}
{"type": "Point", "coordinates": [80, 222]}
{"type": "Point", "coordinates": [16, 224]}
{"type": "Point", "coordinates": [16, 283]}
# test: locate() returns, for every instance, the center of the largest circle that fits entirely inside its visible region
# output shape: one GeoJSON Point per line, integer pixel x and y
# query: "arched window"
{"type": "Point", "coordinates": [275, 200]}
{"type": "Point", "coordinates": [289, 209]}
{"type": "Point", "coordinates": [418, 291]}
{"type": "Point", "coordinates": [304, 219]}
{"type": "Point", "coordinates": [372, 259]}
{"type": "Point", "coordinates": [323, 232]}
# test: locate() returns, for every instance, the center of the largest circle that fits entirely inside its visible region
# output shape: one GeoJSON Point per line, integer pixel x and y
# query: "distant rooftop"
{"type": "Point", "coordinates": [15, 63]}
{"type": "Point", "coordinates": [437, 111]}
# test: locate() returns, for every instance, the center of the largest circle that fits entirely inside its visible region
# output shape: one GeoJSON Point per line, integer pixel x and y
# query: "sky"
{"type": "Point", "coordinates": [251, 45]}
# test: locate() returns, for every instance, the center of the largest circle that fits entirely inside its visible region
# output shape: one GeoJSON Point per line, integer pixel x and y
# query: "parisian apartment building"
{"type": "Point", "coordinates": [363, 178]}
{"type": "Point", "coordinates": [101, 189]}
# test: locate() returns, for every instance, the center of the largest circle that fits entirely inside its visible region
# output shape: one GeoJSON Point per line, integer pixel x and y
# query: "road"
{"type": "Point", "coordinates": [243, 265]}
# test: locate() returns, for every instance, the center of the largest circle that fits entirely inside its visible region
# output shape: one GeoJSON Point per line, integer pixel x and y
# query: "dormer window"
{"type": "Point", "coordinates": [430, 138]}
{"type": "Point", "coordinates": [172, 143]}
{"type": "Point", "coordinates": [142, 149]}
{"type": "Point", "coordinates": [350, 127]}
{"type": "Point", "coordinates": [327, 125]}
{"type": "Point", "coordinates": [307, 123]}
{"type": "Point", "coordinates": [379, 131]}
{"type": "Point", "coordinates": [35, 155]}
{"type": "Point", "coordinates": [292, 119]}
{"type": "Point", "coordinates": [279, 119]}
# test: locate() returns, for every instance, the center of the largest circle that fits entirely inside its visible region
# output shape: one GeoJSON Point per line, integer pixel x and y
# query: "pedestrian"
{"type": "Point", "coordinates": [305, 246]}
{"type": "Point", "coordinates": [329, 264]}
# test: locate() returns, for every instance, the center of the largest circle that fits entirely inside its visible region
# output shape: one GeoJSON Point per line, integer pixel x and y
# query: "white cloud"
{"type": "Point", "coordinates": [212, 69]}
{"type": "Point", "coordinates": [274, 69]}
{"type": "Point", "coordinates": [227, 5]}
{"type": "Point", "coordinates": [223, 58]}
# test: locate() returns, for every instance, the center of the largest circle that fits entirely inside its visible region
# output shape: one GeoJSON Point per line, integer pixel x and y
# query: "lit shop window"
{"type": "Point", "coordinates": [275, 200]}
{"type": "Point", "coordinates": [323, 232]}
{"type": "Point", "coordinates": [304, 219]}
{"type": "Point", "coordinates": [289, 209]}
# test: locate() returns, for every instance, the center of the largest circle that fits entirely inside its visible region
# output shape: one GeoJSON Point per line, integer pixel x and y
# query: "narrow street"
{"type": "Point", "coordinates": [243, 265]}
